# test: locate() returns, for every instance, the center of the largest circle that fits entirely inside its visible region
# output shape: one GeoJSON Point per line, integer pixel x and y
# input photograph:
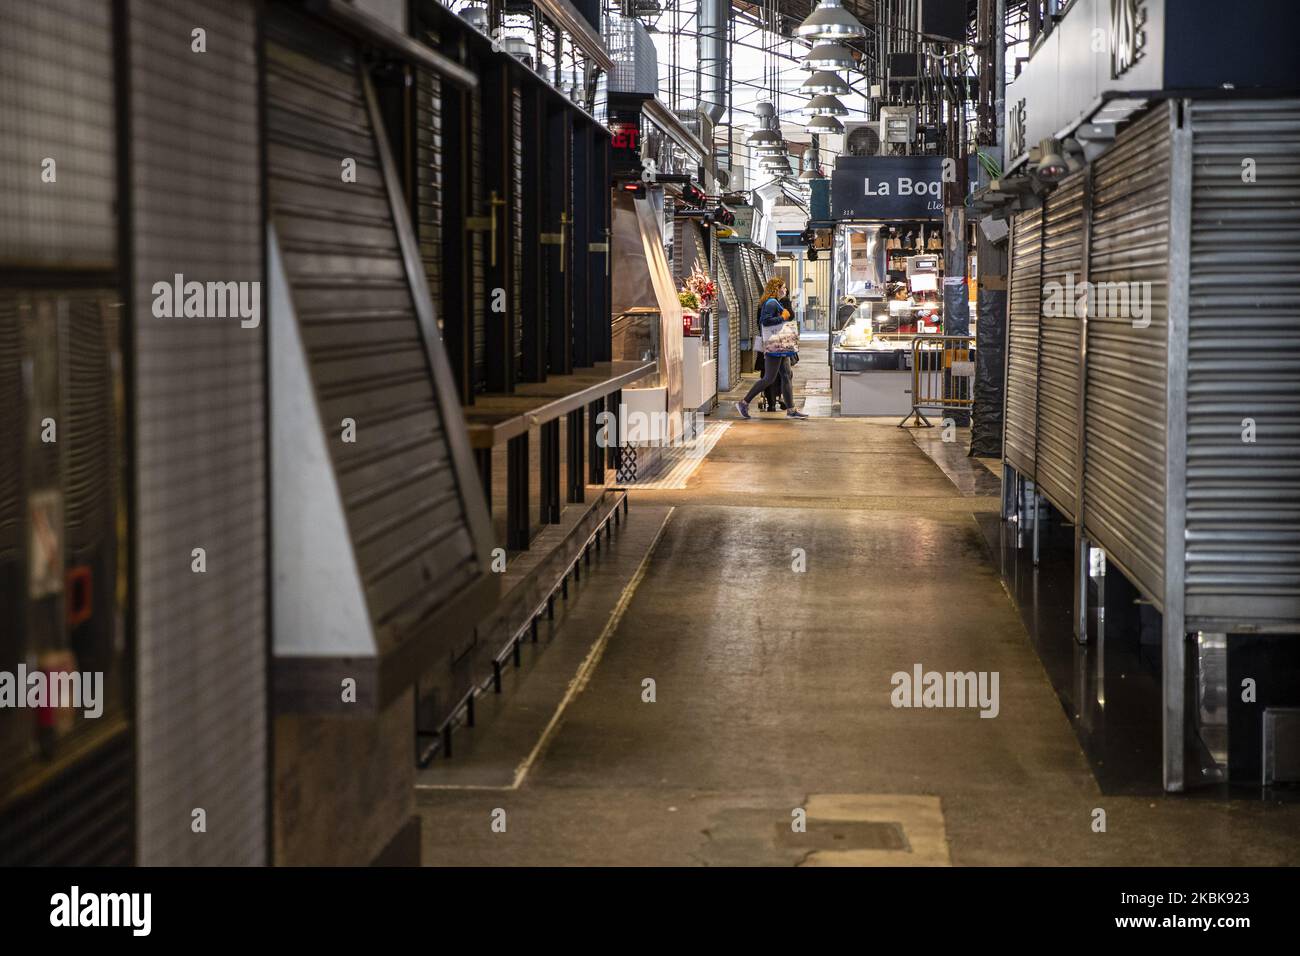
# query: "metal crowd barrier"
{"type": "Point", "coordinates": [943, 376]}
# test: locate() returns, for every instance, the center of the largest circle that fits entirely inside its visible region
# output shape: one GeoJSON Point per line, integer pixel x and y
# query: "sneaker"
{"type": "Point", "coordinates": [743, 408]}
{"type": "Point", "coordinates": [795, 413]}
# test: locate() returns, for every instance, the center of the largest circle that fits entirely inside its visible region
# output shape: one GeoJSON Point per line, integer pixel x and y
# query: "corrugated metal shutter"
{"type": "Point", "coordinates": [56, 102]}
{"type": "Point", "coordinates": [13, 499]}
{"type": "Point", "coordinates": [201, 641]}
{"type": "Point", "coordinates": [1243, 498]}
{"type": "Point", "coordinates": [729, 299]}
{"type": "Point", "coordinates": [1124, 409]}
{"type": "Point", "coordinates": [89, 428]}
{"type": "Point", "coordinates": [365, 349]}
{"type": "Point", "coordinates": [1056, 456]}
{"type": "Point", "coordinates": [1020, 440]}
{"type": "Point", "coordinates": [517, 221]}
{"type": "Point", "coordinates": [79, 817]}
{"type": "Point", "coordinates": [478, 258]}
{"type": "Point", "coordinates": [710, 265]}
{"type": "Point", "coordinates": [429, 183]}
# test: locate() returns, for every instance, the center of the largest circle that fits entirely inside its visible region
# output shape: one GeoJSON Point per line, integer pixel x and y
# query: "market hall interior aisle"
{"type": "Point", "coordinates": [771, 602]}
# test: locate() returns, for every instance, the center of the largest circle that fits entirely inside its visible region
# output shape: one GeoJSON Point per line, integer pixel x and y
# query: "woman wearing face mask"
{"type": "Point", "coordinates": [780, 345]}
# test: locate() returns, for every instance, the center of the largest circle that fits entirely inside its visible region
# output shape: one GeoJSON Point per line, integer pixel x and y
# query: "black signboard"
{"type": "Point", "coordinates": [889, 187]}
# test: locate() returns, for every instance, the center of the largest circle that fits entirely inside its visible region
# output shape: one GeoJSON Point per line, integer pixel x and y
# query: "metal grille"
{"type": "Point", "coordinates": [1057, 433]}
{"type": "Point", "coordinates": [1243, 364]}
{"type": "Point", "coordinates": [1124, 410]}
{"type": "Point", "coordinates": [1023, 310]}
{"type": "Point", "coordinates": [364, 345]}
{"type": "Point", "coordinates": [201, 640]}
{"type": "Point", "coordinates": [429, 181]}
{"type": "Point", "coordinates": [636, 64]}
{"type": "Point", "coordinates": [56, 103]}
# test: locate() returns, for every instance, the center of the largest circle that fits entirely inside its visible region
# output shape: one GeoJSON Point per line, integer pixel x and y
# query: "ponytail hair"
{"type": "Point", "coordinates": [772, 288]}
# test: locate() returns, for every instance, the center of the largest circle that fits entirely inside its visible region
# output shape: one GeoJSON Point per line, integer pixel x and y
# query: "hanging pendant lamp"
{"type": "Point", "coordinates": [829, 56]}
{"type": "Point", "coordinates": [830, 21]}
{"type": "Point", "coordinates": [824, 124]}
{"type": "Point", "coordinates": [825, 105]}
{"type": "Point", "coordinates": [824, 81]}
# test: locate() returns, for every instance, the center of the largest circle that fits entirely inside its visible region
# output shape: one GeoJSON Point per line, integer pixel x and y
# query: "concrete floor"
{"type": "Point", "coordinates": [773, 689]}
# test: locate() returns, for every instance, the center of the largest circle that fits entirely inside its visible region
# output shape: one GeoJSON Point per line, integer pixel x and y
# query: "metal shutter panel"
{"type": "Point", "coordinates": [1243, 499]}
{"type": "Point", "coordinates": [364, 346]}
{"type": "Point", "coordinates": [429, 182]}
{"type": "Point", "coordinates": [478, 260]}
{"type": "Point", "coordinates": [1124, 409]}
{"type": "Point", "coordinates": [1019, 439]}
{"type": "Point", "coordinates": [516, 225]}
{"type": "Point", "coordinates": [56, 101]}
{"type": "Point", "coordinates": [200, 438]}
{"type": "Point", "coordinates": [711, 266]}
{"type": "Point", "coordinates": [1056, 456]}
{"type": "Point", "coordinates": [14, 727]}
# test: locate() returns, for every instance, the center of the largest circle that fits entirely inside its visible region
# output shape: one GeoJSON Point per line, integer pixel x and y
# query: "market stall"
{"type": "Point", "coordinates": [886, 277]}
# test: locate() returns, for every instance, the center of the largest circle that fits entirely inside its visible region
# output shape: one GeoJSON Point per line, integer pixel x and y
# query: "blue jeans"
{"type": "Point", "coordinates": [774, 367]}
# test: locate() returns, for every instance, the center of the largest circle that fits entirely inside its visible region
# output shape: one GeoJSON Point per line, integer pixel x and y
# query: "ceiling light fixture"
{"type": "Point", "coordinates": [830, 21]}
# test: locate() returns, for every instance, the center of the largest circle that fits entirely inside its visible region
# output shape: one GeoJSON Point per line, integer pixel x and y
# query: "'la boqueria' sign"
{"type": "Point", "coordinates": [888, 187]}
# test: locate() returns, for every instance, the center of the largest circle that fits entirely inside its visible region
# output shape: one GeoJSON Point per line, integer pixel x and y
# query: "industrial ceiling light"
{"type": "Point", "coordinates": [830, 21]}
{"type": "Point", "coordinates": [824, 125]}
{"type": "Point", "coordinates": [829, 56]}
{"type": "Point", "coordinates": [764, 138]}
{"type": "Point", "coordinates": [824, 81]}
{"type": "Point", "coordinates": [476, 16]}
{"type": "Point", "coordinates": [825, 105]}
{"type": "Point", "coordinates": [777, 149]}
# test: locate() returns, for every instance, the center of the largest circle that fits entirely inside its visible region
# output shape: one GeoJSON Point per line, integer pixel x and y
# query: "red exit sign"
{"type": "Point", "coordinates": [625, 136]}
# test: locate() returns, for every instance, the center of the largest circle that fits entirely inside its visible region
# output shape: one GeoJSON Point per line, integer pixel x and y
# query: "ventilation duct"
{"type": "Point", "coordinates": [713, 64]}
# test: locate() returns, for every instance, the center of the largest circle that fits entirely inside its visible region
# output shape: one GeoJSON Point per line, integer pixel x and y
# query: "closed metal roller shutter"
{"type": "Point", "coordinates": [80, 816]}
{"type": "Point", "coordinates": [11, 434]}
{"type": "Point", "coordinates": [711, 266]}
{"type": "Point", "coordinates": [1124, 409]}
{"type": "Point", "coordinates": [201, 641]}
{"type": "Point", "coordinates": [478, 254]}
{"type": "Point", "coordinates": [429, 183]}
{"type": "Point", "coordinates": [729, 299]}
{"type": "Point", "coordinates": [13, 498]}
{"type": "Point", "coordinates": [364, 346]}
{"type": "Point", "coordinates": [56, 102]}
{"type": "Point", "coordinates": [89, 426]}
{"type": "Point", "coordinates": [1019, 439]}
{"type": "Point", "coordinates": [517, 221]}
{"type": "Point", "coordinates": [1243, 362]}
{"type": "Point", "coordinates": [1056, 457]}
